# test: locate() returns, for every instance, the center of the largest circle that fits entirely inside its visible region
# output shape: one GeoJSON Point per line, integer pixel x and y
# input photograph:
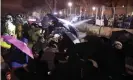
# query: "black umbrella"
{"type": "Point", "coordinates": [122, 36]}
{"type": "Point", "coordinates": [126, 38]}
{"type": "Point", "coordinates": [57, 23]}
{"type": "Point", "coordinates": [52, 17]}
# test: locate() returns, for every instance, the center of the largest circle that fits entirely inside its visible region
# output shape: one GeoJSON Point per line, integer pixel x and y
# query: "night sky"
{"type": "Point", "coordinates": [24, 5]}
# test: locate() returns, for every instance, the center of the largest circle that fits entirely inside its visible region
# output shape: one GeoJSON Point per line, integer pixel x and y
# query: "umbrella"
{"type": "Point", "coordinates": [122, 35]}
{"type": "Point", "coordinates": [19, 44]}
{"type": "Point", "coordinates": [63, 23]}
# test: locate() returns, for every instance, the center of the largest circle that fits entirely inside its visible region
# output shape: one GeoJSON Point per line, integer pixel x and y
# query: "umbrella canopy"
{"type": "Point", "coordinates": [19, 44]}
{"type": "Point", "coordinates": [122, 35]}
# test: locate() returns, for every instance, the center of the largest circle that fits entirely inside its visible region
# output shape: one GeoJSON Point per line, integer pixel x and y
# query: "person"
{"type": "Point", "coordinates": [45, 25]}
{"type": "Point", "coordinates": [3, 29]}
{"type": "Point", "coordinates": [89, 49]}
{"type": "Point", "coordinates": [26, 28]}
{"type": "Point", "coordinates": [110, 22]}
{"type": "Point", "coordinates": [38, 67]}
{"type": "Point", "coordinates": [61, 67]}
{"type": "Point", "coordinates": [10, 27]}
{"type": "Point", "coordinates": [105, 21]}
{"type": "Point", "coordinates": [131, 23]}
{"type": "Point", "coordinates": [4, 69]}
{"type": "Point", "coordinates": [19, 62]}
{"type": "Point", "coordinates": [19, 31]}
{"type": "Point", "coordinates": [116, 61]}
{"type": "Point", "coordinates": [19, 19]}
{"type": "Point", "coordinates": [90, 70]}
{"type": "Point", "coordinates": [34, 33]}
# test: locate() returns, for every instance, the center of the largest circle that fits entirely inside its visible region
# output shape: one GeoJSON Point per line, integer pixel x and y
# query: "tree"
{"type": "Point", "coordinates": [54, 4]}
{"type": "Point", "coordinates": [49, 4]}
{"type": "Point", "coordinates": [113, 4]}
{"type": "Point", "coordinates": [82, 3]}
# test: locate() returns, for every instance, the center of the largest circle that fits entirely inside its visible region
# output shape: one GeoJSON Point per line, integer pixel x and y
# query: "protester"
{"type": "Point", "coordinates": [10, 27]}
{"type": "Point", "coordinates": [34, 33]}
{"type": "Point", "coordinates": [105, 21]}
{"type": "Point", "coordinates": [116, 60]}
{"type": "Point", "coordinates": [90, 71]}
{"type": "Point", "coordinates": [37, 67]}
{"type": "Point", "coordinates": [19, 31]}
{"type": "Point", "coordinates": [19, 62]}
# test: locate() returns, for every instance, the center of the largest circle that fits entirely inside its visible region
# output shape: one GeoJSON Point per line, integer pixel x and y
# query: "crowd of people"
{"type": "Point", "coordinates": [119, 21]}
{"type": "Point", "coordinates": [97, 58]}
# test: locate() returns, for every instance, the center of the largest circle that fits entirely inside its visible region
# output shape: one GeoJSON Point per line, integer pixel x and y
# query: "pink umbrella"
{"type": "Point", "coordinates": [19, 44]}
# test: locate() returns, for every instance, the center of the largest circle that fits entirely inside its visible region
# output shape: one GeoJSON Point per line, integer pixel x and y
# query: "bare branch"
{"type": "Point", "coordinates": [46, 1]}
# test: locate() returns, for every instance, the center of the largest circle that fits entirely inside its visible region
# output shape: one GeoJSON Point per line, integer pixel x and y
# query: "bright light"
{"type": "Point", "coordinates": [55, 13]}
{"type": "Point", "coordinates": [123, 6]}
{"type": "Point", "coordinates": [76, 41]}
{"type": "Point", "coordinates": [60, 12]}
{"type": "Point", "coordinates": [31, 19]}
{"type": "Point", "coordinates": [93, 8]}
{"type": "Point", "coordinates": [56, 36]}
{"type": "Point", "coordinates": [70, 4]}
{"type": "Point", "coordinates": [65, 22]}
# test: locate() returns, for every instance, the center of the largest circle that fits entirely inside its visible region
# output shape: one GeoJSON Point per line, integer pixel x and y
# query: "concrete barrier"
{"type": "Point", "coordinates": [99, 31]}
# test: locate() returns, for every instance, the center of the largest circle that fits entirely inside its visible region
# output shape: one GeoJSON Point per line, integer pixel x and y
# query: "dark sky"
{"type": "Point", "coordinates": [23, 5]}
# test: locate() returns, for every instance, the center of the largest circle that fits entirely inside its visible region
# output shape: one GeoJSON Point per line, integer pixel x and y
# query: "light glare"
{"type": "Point", "coordinates": [93, 8]}
{"type": "Point", "coordinates": [70, 4]}
{"type": "Point", "coordinates": [60, 12]}
{"type": "Point", "coordinates": [55, 13]}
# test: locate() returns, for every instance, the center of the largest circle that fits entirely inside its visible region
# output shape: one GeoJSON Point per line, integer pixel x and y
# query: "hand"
{"type": "Point", "coordinates": [49, 73]}
{"type": "Point", "coordinates": [25, 65]}
{"type": "Point", "coordinates": [36, 55]}
{"type": "Point", "coordinates": [66, 57]}
{"type": "Point", "coordinates": [94, 63]}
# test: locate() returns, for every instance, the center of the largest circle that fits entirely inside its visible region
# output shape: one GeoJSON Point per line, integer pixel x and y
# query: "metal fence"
{"type": "Point", "coordinates": [91, 11]}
